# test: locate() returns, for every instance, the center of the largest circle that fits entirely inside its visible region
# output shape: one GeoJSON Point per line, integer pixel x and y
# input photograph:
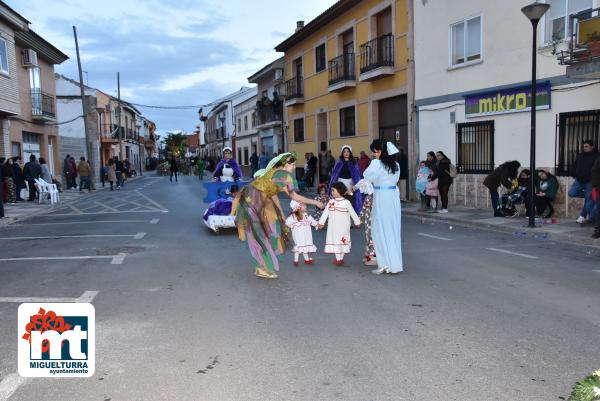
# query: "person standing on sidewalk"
{"type": "Point", "coordinates": [85, 171]}
{"type": "Point", "coordinates": [254, 163]}
{"type": "Point", "coordinates": [18, 176]}
{"type": "Point", "coordinates": [72, 182]}
{"type": "Point", "coordinates": [32, 170]}
{"type": "Point", "coordinates": [174, 168]}
{"type": "Point", "coordinates": [503, 175]}
{"type": "Point", "coordinates": [596, 186]}
{"type": "Point", "coordinates": [119, 172]}
{"type": "Point", "coordinates": [444, 179]}
{"type": "Point", "coordinates": [582, 186]}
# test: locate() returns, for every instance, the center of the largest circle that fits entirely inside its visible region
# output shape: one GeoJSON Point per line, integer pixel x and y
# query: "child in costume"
{"type": "Point", "coordinates": [300, 222]}
{"type": "Point", "coordinates": [421, 184]}
{"type": "Point", "coordinates": [366, 189]}
{"type": "Point", "coordinates": [321, 197]}
{"type": "Point", "coordinates": [340, 213]}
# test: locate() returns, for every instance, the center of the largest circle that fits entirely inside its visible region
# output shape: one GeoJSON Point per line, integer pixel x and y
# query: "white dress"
{"type": "Point", "coordinates": [386, 216]}
{"type": "Point", "coordinates": [302, 233]}
{"type": "Point", "coordinates": [339, 212]}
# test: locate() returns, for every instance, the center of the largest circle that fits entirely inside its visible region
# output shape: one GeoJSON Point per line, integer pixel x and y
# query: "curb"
{"type": "Point", "coordinates": [525, 232]}
{"type": "Point", "coordinates": [6, 221]}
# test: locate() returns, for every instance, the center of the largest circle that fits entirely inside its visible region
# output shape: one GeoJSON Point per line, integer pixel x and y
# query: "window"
{"type": "Point", "coordinates": [245, 123]}
{"type": "Point", "coordinates": [299, 130]}
{"type": "Point", "coordinates": [320, 57]}
{"type": "Point", "coordinates": [34, 78]}
{"type": "Point", "coordinates": [475, 147]}
{"type": "Point", "coordinates": [239, 125]}
{"type": "Point", "coordinates": [572, 129]}
{"type": "Point", "coordinates": [240, 155]}
{"type": "Point", "coordinates": [556, 19]}
{"type": "Point", "coordinates": [466, 41]}
{"type": "Point", "coordinates": [15, 149]}
{"type": "Point", "coordinates": [347, 122]}
{"type": "Point", "coordinates": [246, 156]}
{"type": "Point", "coordinates": [3, 56]}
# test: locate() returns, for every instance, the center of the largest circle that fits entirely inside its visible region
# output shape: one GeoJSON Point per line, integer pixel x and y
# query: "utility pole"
{"type": "Point", "coordinates": [119, 118]}
{"type": "Point", "coordinates": [88, 139]}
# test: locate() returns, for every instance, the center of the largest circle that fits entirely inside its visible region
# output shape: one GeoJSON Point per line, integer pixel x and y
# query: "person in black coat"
{"type": "Point", "coordinates": [18, 176]}
{"type": "Point", "coordinates": [174, 168]}
{"type": "Point", "coordinates": [444, 179]}
{"type": "Point", "coordinates": [596, 185]}
{"type": "Point", "coordinates": [32, 170]}
{"type": "Point", "coordinates": [502, 175]}
{"type": "Point", "coordinates": [582, 172]}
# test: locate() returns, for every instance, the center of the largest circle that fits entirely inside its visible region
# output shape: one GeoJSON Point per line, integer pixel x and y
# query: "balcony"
{"type": "Point", "coordinates": [582, 56]}
{"type": "Point", "coordinates": [377, 58]}
{"type": "Point", "coordinates": [42, 106]}
{"type": "Point", "coordinates": [109, 133]}
{"type": "Point", "coordinates": [294, 91]}
{"type": "Point", "coordinates": [267, 116]}
{"type": "Point", "coordinates": [342, 72]}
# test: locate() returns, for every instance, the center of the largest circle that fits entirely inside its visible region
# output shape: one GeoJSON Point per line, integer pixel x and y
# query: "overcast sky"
{"type": "Point", "coordinates": [169, 52]}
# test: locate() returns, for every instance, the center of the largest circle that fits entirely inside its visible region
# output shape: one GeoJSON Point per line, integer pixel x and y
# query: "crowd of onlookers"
{"type": "Point", "coordinates": [517, 188]}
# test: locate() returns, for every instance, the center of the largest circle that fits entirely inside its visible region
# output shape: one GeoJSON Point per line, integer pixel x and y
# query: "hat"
{"type": "Point", "coordinates": [227, 148]}
{"type": "Point", "coordinates": [295, 205]}
{"type": "Point", "coordinates": [392, 149]}
{"type": "Point", "coordinates": [348, 147]}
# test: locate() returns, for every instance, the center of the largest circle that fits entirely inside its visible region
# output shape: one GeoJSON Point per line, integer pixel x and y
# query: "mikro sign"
{"type": "Point", "coordinates": [510, 100]}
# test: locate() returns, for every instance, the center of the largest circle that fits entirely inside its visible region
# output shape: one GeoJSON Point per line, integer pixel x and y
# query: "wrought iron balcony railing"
{"type": "Point", "coordinates": [42, 105]}
{"type": "Point", "coordinates": [342, 69]}
{"type": "Point", "coordinates": [376, 53]}
{"type": "Point", "coordinates": [583, 41]}
{"type": "Point", "coordinates": [294, 88]}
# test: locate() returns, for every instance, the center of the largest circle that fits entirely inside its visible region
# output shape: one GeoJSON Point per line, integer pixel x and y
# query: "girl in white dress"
{"type": "Point", "coordinates": [339, 212]}
{"type": "Point", "coordinates": [300, 223]}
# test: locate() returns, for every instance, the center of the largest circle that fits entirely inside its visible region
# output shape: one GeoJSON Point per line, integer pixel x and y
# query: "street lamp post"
{"type": "Point", "coordinates": [534, 12]}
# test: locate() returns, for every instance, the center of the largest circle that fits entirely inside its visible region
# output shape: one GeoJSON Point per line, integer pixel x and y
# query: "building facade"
{"type": "Point", "coordinates": [348, 78]}
{"type": "Point", "coordinates": [34, 130]}
{"type": "Point", "coordinates": [246, 137]}
{"type": "Point", "coordinates": [10, 106]}
{"type": "Point", "coordinates": [268, 113]}
{"type": "Point", "coordinates": [473, 74]}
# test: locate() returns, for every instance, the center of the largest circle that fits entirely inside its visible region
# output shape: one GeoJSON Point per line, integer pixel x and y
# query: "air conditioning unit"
{"type": "Point", "coordinates": [29, 58]}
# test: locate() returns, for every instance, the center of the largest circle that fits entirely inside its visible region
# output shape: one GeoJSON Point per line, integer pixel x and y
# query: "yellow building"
{"type": "Point", "coordinates": [349, 78]}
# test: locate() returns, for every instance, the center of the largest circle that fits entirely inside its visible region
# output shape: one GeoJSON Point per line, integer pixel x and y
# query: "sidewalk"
{"type": "Point", "coordinates": [14, 212]}
{"type": "Point", "coordinates": [565, 230]}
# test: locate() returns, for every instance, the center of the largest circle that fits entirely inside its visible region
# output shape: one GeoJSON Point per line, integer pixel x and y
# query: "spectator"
{"type": "Point", "coordinates": [85, 171]}
{"type": "Point", "coordinates": [445, 180]}
{"type": "Point", "coordinates": [119, 172]}
{"type": "Point", "coordinates": [65, 170]}
{"type": "Point", "coordinates": [263, 160]}
{"type": "Point", "coordinates": [432, 190]}
{"type": "Point", "coordinates": [174, 168]}
{"type": "Point", "coordinates": [326, 165]}
{"type": "Point", "coordinates": [10, 189]}
{"type": "Point", "coordinates": [111, 175]}
{"type": "Point", "coordinates": [32, 171]}
{"type": "Point", "coordinates": [363, 161]}
{"type": "Point", "coordinates": [502, 175]}
{"type": "Point", "coordinates": [421, 183]}
{"type": "Point", "coordinates": [582, 186]}
{"type": "Point", "coordinates": [72, 183]}
{"type": "Point", "coordinates": [518, 194]}
{"type": "Point", "coordinates": [18, 176]}
{"type": "Point", "coordinates": [430, 160]}
{"type": "Point", "coordinates": [313, 163]}
{"type": "Point", "coordinates": [596, 185]}
{"type": "Point", "coordinates": [254, 163]}
{"type": "Point", "coordinates": [545, 191]}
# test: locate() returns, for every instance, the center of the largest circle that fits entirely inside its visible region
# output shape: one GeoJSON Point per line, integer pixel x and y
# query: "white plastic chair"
{"type": "Point", "coordinates": [47, 189]}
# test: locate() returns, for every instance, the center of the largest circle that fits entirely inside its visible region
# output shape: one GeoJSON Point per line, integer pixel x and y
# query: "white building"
{"type": "Point", "coordinates": [472, 78]}
{"type": "Point", "coordinates": [246, 137]}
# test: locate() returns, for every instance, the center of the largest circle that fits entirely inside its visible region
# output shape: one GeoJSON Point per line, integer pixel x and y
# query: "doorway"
{"type": "Point", "coordinates": [322, 139]}
{"type": "Point", "coordinates": [393, 127]}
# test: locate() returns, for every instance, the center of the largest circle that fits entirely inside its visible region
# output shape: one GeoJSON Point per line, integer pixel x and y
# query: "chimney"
{"type": "Point", "coordinates": [299, 25]}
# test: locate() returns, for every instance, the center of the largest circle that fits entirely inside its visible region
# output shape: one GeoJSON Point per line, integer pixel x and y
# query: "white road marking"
{"type": "Point", "coordinates": [118, 259]}
{"type": "Point", "coordinates": [89, 214]}
{"type": "Point", "coordinates": [87, 296]}
{"type": "Point", "coordinates": [523, 255]}
{"type": "Point", "coordinates": [34, 258]}
{"type": "Point", "coordinates": [597, 271]}
{"type": "Point", "coordinates": [134, 236]}
{"type": "Point", "coordinates": [92, 222]}
{"type": "Point", "coordinates": [154, 221]}
{"type": "Point", "coordinates": [10, 384]}
{"type": "Point", "coordinates": [164, 209]}
{"type": "Point", "coordinates": [434, 236]}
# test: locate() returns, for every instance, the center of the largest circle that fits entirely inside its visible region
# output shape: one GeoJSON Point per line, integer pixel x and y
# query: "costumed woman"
{"type": "Point", "coordinates": [259, 217]}
{"type": "Point", "coordinates": [346, 170]}
{"type": "Point", "coordinates": [384, 173]}
{"type": "Point", "coordinates": [227, 169]}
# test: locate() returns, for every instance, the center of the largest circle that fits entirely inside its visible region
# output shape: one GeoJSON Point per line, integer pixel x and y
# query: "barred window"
{"type": "Point", "coordinates": [299, 130]}
{"type": "Point", "coordinates": [475, 147]}
{"type": "Point", "coordinates": [571, 130]}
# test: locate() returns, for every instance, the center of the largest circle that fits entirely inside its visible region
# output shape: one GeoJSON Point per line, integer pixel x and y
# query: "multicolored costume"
{"type": "Point", "coordinates": [259, 220]}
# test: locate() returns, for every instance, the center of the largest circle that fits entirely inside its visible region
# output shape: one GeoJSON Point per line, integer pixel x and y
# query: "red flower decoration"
{"type": "Point", "coordinates": [344, 240]}
{"type": "Point", "coordinates": [332, 205]}
{"type": "Point", "coordinates": [44, 321]}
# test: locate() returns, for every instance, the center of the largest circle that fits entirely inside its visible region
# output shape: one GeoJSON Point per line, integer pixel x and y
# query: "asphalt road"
{"type": "Point", "coordinates": [180, 316]}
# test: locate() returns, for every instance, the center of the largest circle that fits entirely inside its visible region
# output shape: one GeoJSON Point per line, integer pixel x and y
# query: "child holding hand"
{"type": "Point", "coordinates": [340, 213]}
{"type": "Point", "coordinates": [300, 222]}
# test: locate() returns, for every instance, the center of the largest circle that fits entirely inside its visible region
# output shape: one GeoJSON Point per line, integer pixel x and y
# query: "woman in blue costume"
{"type": "Point", "coordinates": [346, 170]}
{"type": "Point", "coordinates": [384, 173]}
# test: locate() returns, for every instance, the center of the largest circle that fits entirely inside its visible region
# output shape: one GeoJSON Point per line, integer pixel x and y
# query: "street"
{"type": "Point", "coordinates": [476, 315]}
